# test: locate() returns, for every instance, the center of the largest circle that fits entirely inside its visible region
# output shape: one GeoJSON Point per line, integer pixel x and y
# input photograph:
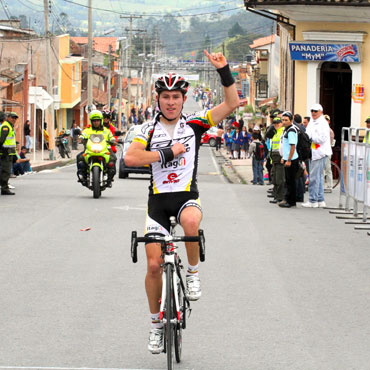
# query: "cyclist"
{"type": "Point", "coordinates": [170, 144]}
{"type": "Point", "coordinates": [97, 127]}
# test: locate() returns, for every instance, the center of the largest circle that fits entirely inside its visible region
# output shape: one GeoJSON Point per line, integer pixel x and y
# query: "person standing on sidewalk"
{"type": "Point", "coordinates": [7, 151]}
{"type": "Point", "coordinates": [319, 133]}
{"type": "Point", "coordinates": [27, 135]}
{"type": "Point", "coordinates": [328, 174]}
{"type": "Point", "coordinates": [258, 150]}
{"type": "Point", "coordinates": [220, 132]}
{"type": "Point", "coordinates": [290, 159]}
{"type": "Point", "coordinates": [277, 172]}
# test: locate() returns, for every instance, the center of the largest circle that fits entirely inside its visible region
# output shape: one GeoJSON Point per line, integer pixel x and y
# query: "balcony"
{"type": "Point", "coordinates": [348, 11]}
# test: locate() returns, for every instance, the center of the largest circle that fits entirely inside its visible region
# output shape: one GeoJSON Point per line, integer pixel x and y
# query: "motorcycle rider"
{"type": "Point", "coordinates": [107, 116]}
{"type": "Point", "coordinates": [96, 127]}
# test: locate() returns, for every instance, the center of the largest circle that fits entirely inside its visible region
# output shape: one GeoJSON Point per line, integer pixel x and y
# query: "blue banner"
{"type": "Point", "coordinates": [324, 52]}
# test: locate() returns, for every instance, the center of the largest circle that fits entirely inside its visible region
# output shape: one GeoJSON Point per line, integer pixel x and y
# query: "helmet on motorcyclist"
{"type": "Point", "coordinates": [107, 114]}
{"type": "Point", "coordinates": [94, 117]}
{"type": "Point", "coordinates": [171, 82]}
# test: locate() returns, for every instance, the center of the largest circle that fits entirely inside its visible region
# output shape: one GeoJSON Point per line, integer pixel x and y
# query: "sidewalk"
{"type": "Point", "coordinates": [236, 170]}
{"type": "Point", "coordinates": [39, 164]}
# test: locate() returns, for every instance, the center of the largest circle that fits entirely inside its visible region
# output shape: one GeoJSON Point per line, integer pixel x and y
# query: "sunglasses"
{"type": "Point", "coordinates": [314, 111]}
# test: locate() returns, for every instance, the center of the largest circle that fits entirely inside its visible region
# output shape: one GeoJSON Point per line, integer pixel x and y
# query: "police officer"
{"type": "Point", "coordinates": [278, 175]}
{"type": "Point", "coordinates": [368, 127]}
{"type": "Point", "coordinates": [97, 127]}
{"type": "Point", "coordinates": [7, 151]}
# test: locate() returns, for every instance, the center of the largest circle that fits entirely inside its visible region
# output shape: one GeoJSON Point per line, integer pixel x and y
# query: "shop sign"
{"type": "Point", "coordinates": [324, 52]}
{"type": "Point", "coordinates": [358, 93]}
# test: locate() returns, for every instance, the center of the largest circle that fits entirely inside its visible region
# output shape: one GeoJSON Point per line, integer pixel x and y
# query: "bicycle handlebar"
{"type": "Point", "coordinates": [163, 239]}
{"type": "Point", "coordinates": [167, 239]}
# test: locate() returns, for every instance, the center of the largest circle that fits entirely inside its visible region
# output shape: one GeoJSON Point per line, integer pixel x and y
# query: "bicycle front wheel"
{"type": "Point", "coordinates": [178, 326]}
{"type": "Point", "coordinates": [169, 317]}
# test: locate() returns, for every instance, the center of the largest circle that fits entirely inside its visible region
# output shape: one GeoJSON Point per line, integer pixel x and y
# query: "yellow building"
{"type": "Point", "coordinates": [69, 86]}
{"type": "Point", "coordinates": [325, 57]}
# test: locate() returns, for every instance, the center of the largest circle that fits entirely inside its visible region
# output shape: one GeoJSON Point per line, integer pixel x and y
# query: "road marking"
{"type": "Point", "coordinates": [216, 166]}
{"type": "Point", "coordinates": [128, 208]}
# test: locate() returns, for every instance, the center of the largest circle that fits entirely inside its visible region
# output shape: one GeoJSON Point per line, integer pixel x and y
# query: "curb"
{"type": "Point", "coordinates": [228, 170]}
{"type": "Point", "coordinates": [52, 165]}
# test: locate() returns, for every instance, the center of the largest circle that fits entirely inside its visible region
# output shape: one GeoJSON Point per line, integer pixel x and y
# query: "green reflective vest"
{"type": "Point", "coordinates": [89, 131]}
{"type": "Point", "coordinates": [10, 141]}
{"type": "Point", "coordinates": [275, 141]}
{"type": "Point", "coordinates": [368, 138]}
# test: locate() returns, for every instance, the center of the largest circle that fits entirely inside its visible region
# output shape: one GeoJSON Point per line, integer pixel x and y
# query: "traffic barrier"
{"type": "Point", "coordinates": [355, 171]}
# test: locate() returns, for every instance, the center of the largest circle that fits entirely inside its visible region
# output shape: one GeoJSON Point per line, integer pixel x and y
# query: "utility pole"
{"type": "Point", "coordinates": [89, 58]}
{"type": "Point", "coordinates": [109, 77]}
{"type": "Point", "coordinates": [131, 18]}
{"type": "Point", "coordinates": [49, 83]}
{"type": "Point", "coordinates": [120, 72]}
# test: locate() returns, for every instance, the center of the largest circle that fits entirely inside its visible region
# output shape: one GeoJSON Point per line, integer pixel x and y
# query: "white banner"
{"type": "Point", "coordinates": [360, 181]}
{"type": "Point", "coordinates": [351, 164]}
{"type": "Point", "coordinates": [368, 177]}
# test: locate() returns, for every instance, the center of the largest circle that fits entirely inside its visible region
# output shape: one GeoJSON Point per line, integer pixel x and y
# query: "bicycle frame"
{"type": "Point", "coordinates": [172, 267]}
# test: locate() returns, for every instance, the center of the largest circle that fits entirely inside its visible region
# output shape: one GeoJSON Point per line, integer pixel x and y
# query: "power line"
{"type": "Point", "coordinates": [158, 14]}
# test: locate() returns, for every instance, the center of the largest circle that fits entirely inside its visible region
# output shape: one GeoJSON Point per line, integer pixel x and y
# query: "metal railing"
{"type": "Point", "coordinates": [355, 174]}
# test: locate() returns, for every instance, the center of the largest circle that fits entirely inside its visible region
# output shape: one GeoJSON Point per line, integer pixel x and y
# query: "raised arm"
{"type": "Point", "coordinates": [137, 156]}
{"type": "Point", "coordinates": [231, 102]}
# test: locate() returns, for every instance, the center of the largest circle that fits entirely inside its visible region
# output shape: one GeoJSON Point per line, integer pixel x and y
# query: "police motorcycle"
{"type": "Point", "coordinates": [61, 141]}
{"type": "Point", "coordinates": [96, 160]}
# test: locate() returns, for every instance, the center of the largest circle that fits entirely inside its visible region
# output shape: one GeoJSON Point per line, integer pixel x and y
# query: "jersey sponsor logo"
{"type": "Point", "coordinates": [153, 228]}
{"type": "Point", "coordinates": [161, 145]}
{"type": "Point", "coordinates": [159, 135]}
{"type": "Point", "coordinates": [172, 179]}
{"type": "Point", "coordinates": [178, 162]}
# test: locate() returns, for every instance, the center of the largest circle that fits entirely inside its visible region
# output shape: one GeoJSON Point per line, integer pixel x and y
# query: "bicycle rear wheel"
{"type": "Point", "coordinates": [169, 329]}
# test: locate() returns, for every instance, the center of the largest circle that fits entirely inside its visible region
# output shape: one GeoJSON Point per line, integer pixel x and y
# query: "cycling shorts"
{"type": "Point", "coordinates": [162, 206]}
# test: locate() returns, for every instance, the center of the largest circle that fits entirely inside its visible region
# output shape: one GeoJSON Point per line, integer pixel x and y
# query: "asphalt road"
{"type": "Point", "coordinates": [283, 289]}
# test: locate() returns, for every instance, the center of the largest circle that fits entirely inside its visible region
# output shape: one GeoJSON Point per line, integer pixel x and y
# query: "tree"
{"type": "Point", "coordinates": [238, 47]}
{"type": "Point", "coordinates": [236, 30]}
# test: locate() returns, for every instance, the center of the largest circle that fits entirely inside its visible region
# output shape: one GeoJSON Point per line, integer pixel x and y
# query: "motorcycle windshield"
{"type": "Point", "coordinates": [96, 138]}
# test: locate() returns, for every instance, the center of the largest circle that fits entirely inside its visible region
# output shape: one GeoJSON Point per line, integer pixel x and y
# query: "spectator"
{"type": "Point", "coordinates": [22, 164]}
{"type": "Point", "coordinates": [306, 121]}
{"type": "Point", "coordinates": [228, 142]}
{"type": "Point", "coordinates": [236, 143]}
{"type": "Point", "coordinates": [241, 124]}
{"type": "Point", "coordinates": [27, 135]}
{"type": "Point", "coordinates": [290, 160]}
{"type": "Point", "coordinates": [318, 131]}
{"type": "Point", "coordinates": [75, 133]}
{"type": "Point", "coordinates": [328, 174]}
{"type": "Point", "coordinates": [278, 172]}
{"type": "Point", "coordinates": [220, 131]}
{"type": "Point", "coordinates": [246, 138]}
{"type": "Point", "coordinates": [258, 156]}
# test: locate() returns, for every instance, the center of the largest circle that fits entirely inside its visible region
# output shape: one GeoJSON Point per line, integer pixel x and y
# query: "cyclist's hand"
{"type": "Point", "coordinates": [177, 149]}
{"type": "Point", "coordinates": [217, 59]}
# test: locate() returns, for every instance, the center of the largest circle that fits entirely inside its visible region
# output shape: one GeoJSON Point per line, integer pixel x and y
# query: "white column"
{"type": "Point", "coordinates": [356, 107]}
{"type": "Point", "coordinates": [313, 85]}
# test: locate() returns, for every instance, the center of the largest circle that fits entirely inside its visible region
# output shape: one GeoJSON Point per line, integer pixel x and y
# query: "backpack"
{"type": "Point", "coordinates": [304, 144]}
{"type": "Point", "coordinates": [260, 151]}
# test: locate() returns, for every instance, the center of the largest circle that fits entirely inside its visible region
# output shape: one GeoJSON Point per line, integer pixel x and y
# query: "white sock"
{"type": "Point", "coordinates": [156, 323]}
{"type": "Point", "coordinates": [193, 270]}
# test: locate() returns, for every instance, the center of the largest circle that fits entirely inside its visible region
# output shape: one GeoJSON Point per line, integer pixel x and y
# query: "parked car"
{"type": "Point", "coordinates": [124, 171]}
{"type": "Point", "coordinates": [209, 137]}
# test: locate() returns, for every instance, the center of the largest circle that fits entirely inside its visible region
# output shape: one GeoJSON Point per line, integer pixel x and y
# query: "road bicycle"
{"type": "Point", "coordinates": [174, 304]}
